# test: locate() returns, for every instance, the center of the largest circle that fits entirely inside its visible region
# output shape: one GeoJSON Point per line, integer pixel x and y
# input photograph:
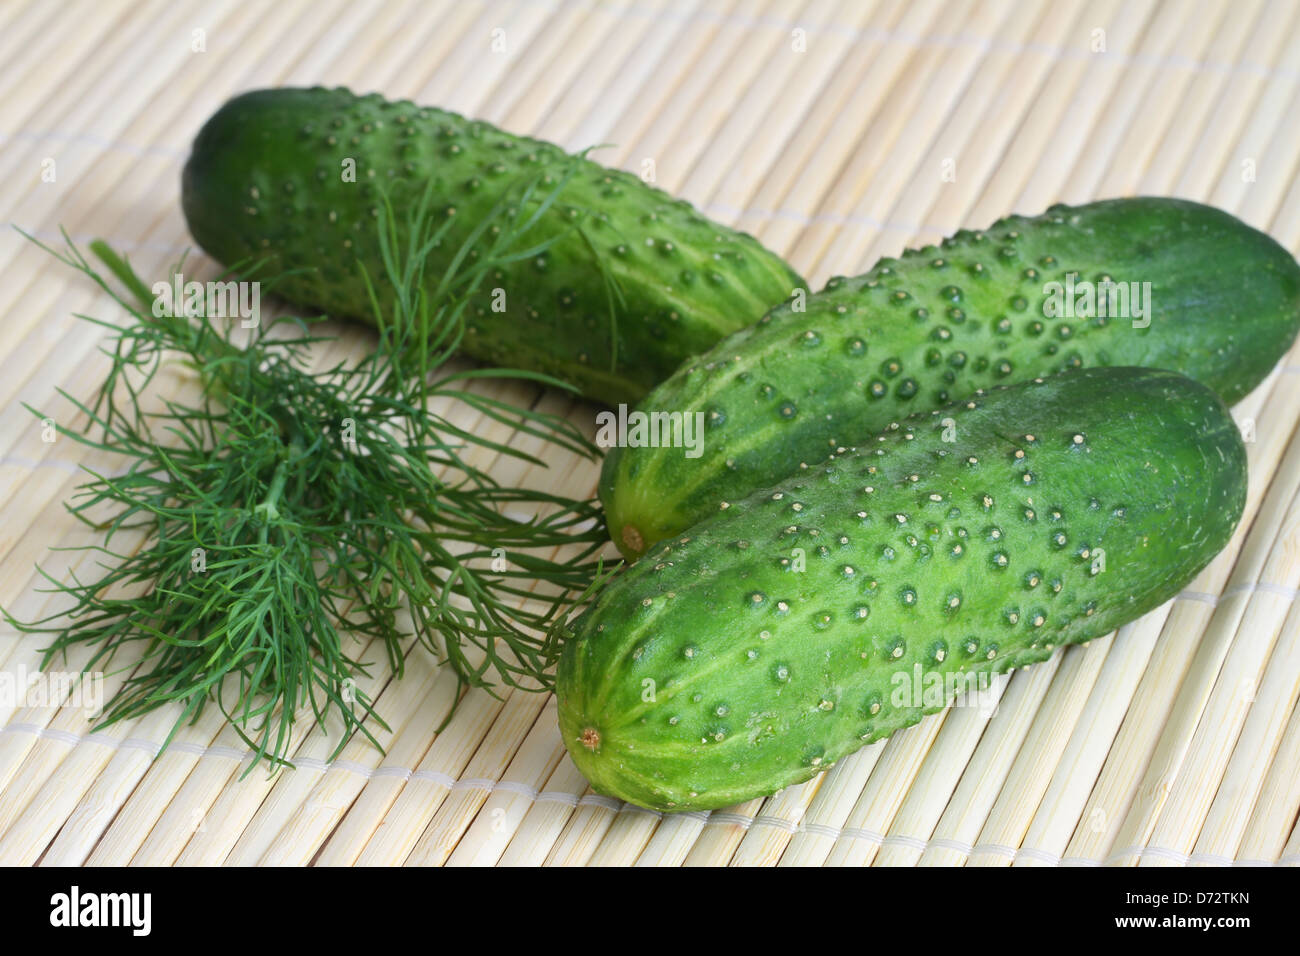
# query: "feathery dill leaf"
{"type": "Point", "coordinates": [289, 514]}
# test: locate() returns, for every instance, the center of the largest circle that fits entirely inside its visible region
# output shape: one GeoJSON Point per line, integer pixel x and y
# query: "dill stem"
{"type": "Point", "coordinates": [267, 508]}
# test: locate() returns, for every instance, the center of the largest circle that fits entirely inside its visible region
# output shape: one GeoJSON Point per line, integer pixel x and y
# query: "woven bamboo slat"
{"type": "Point", "coordinates": [837, 131]}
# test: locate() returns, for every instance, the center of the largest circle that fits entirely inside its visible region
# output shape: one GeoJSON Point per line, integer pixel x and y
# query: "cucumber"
{"type": "Point", "coordinates": [962, 542]}
{"type": "Point", "coordinates": [939, 323]}
{"type": "Point", "coordinates": [266, 181]}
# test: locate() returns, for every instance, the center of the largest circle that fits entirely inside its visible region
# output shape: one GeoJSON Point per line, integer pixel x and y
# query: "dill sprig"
{"type": "Point", "coordinates": [288, 512]}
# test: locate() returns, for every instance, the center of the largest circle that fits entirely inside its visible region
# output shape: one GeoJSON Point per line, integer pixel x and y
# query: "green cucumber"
{"type": "Point", "coordinates": [941, 322]}
{"type": "Point", "coordinates": [267, 180]}
{"type": "Point", "coordinates": [812, 618]}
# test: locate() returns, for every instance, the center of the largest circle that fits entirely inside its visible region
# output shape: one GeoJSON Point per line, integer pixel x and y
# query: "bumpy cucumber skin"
{"type": "Point", "coordinates": [264, 181]}
{"type": "Point", "coordinates": [974, 555]}
{"type": "Point", "coordinates": [943, 321]}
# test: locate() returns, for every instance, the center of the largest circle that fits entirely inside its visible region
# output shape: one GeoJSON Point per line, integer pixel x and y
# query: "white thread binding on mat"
{"type": "Point", "coordinates": [723, 210]}
{"type": "Point", "coordinates": [17, 461]}
{"type": "Point", "coordinates": [439, 778]}
{"type": "Point", "coordinates": [716, 818]}
{"type": "Point", "coordinates": [1267, 587]}
{"type": "Point", "coordinates": [984, 45]}
{"type": "Point", "coordinates": [942, 41]}
{"type": "Point", "coordinates": [90, 139]}
{"type": "Point", "coordinates": [946, 41]}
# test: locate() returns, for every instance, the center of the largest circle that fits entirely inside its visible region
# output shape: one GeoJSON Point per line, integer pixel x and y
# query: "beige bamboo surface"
{"type": "Point", "coordinates": [1175, 742]}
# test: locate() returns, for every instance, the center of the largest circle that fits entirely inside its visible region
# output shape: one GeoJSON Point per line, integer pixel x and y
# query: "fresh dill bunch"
{"type": "Point", "coordinates": [287, 512]}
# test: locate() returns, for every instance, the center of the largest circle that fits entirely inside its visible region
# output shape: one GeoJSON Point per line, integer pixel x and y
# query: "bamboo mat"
{"type": "Point", "coordinates": [834, 130]}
